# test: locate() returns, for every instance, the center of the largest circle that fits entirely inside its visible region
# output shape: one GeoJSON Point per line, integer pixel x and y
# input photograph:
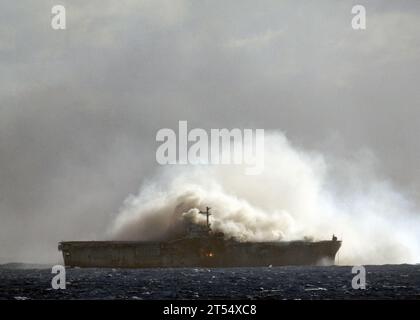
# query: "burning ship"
{"type": "Point", "coordinates": [198, 247]}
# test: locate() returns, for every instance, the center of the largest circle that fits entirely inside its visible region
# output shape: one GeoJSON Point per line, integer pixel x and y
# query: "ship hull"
{"type": "Point", "coordinates": [196, 253]}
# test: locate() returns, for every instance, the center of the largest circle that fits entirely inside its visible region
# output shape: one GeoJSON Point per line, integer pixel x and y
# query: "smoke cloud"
{"type": "Point", "coordinates": [300, 194]}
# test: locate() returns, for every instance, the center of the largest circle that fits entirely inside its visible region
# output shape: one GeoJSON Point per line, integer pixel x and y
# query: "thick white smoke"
{"type": "Point", "coordinates": [300, 194]}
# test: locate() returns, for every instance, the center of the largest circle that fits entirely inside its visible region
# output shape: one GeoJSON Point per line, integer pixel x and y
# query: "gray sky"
{"type": "Point", "coordinates": [79, 109]}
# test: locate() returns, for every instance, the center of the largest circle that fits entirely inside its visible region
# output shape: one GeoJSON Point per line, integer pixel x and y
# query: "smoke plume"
{"type": "Point", "coordinates": [300, 194]}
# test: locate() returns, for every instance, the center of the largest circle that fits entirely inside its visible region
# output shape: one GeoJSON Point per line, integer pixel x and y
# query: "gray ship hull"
{"type": "Point", "coordinates": [198, 252]}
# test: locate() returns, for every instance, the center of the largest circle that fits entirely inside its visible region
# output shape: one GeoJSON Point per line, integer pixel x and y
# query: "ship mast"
{"type": "Point", "coordinates": [208, 214]}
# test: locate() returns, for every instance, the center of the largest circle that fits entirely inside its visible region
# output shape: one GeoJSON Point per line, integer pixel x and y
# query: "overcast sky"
{"type": "Point", "coordinates": [79, 108]}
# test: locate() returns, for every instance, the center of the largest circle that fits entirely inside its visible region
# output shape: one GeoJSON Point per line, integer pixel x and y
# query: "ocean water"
{"type": "Point", "coordinates": [334, 282]}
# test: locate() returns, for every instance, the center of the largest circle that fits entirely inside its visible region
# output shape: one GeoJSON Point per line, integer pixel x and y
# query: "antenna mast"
{"type": "Point", "coordinates": [208, 214]}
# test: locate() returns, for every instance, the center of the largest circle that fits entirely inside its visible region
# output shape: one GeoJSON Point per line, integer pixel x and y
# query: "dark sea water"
{"type": "Point", "coordinates": [382, 282]}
